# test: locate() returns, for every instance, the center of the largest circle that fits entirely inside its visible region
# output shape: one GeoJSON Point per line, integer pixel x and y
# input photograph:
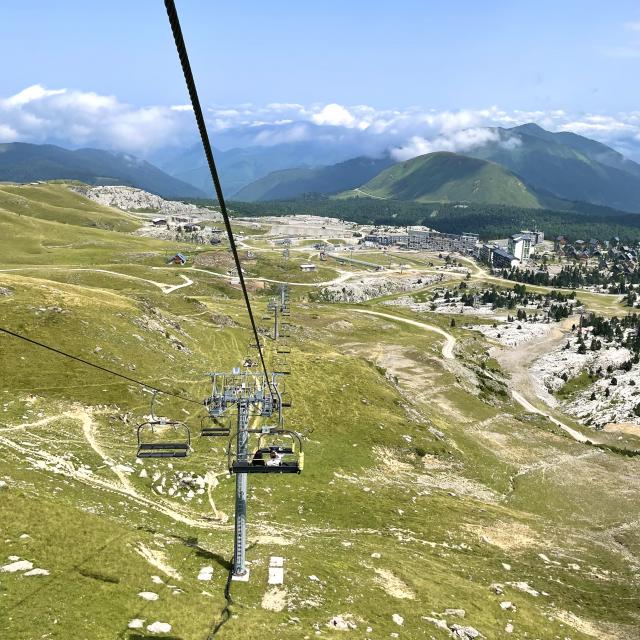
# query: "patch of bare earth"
{"type": "Point", "coordinates": [623, 427]}
{"type": "Point", "coordinates": [275, 599]}
{"type": "Point", "coordinates": [602, 631]}
{"type": "Point", "coordinates": [508, 536]}
{"type": "Point", "coordinates": [392, 585]}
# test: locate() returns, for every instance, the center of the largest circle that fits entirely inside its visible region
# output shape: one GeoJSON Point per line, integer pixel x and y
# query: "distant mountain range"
{"type": "Point", "coordinates": [525, 166]}
{"type": "Point", "coordinates": [291, 183]}
{"type": "Point", "coordinates": [240, 167]}
{"type": "Point", "coordinates": [553, 169]}
{"type": "Point", "coordinates": [21, 162]}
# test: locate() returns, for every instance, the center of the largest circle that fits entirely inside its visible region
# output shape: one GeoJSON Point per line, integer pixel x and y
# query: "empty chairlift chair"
{"type": "Point", "coordinates": [212, 427]}
{"type": "Point", "coordinates": [159, 438]}
{"type": "Point", "coordinates": [282, 348]}
{"type": "Point", "coordinates": [281, 366]}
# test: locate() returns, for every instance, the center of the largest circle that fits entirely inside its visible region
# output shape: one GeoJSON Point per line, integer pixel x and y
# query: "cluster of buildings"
{"type": "Point", "coordinates": [624, 258]}
{"type": "Point", "coordinates": [425, 239]}
{"type": "Point", "coordinates": [519, 248]}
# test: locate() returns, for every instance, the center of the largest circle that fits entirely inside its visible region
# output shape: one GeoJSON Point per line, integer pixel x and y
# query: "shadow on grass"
{"type": "Point", "coordinates": [201, 552]}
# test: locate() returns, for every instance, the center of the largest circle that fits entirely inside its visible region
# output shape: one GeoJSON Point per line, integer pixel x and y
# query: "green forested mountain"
{"type": "Point", "coordinates": [291, 183]}
{"type": "Point", "coordinates": [566, 165]}
{"type": "Point", "coordinates": [21, 162]}
{"type": "Point", "coordinates": [448, 177]}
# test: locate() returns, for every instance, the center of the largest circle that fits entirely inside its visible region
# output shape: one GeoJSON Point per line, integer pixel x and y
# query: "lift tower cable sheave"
{"type": "Point", "coordinates": [197, 110]}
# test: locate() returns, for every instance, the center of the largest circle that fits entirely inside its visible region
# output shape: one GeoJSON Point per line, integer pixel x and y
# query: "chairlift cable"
{"type": "Point", "coordinates": [197, 110]}
{"type": "Point", "coordinates": [101, 368]}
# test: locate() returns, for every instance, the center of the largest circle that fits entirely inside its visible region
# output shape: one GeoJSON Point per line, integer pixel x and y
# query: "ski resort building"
{"type": "Point", "coordinates": [430, 240]}
{"type": "Point", "coordinates": [520, 245]}
{"type": "Point", "coordinates": [497, 257]}
{"type": "Point", "coordinates": [386, 239]}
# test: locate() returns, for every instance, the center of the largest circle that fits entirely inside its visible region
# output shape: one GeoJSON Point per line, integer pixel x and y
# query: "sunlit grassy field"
{"type": "Point", "coordinates": [425, 489]}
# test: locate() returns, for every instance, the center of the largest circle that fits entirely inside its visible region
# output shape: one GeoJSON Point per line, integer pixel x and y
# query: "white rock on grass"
{"type": "Point", "coordinates": [36, 572]}
{"type": "Point", "coordinates": [441, 624]}
{"type": "Point", "coordinates": [136, 623]}
{"type": "Point", "coordinates": [340, 624]}
{"type": "Point", "coordinates": [398, 619]}
{"type": "Point", "coordinates": [148, 595]}
{"type": "Point", "coordinates": [468, 633]}
{"type": "Point", "coordinates": [159, 627]}
{"type": "Point", "coordinates": [18, 565]}
{"type": "Point", "coordinates": [157, 580]}
{"type": "Point", "coordinates": [508, 628]}
{"type": "Point", "coordinates": [123, 468]}
{"type": "Point", "coordinates": [510, 335]}
{"type": "Point", "coordinates": [524, 586]}
{"type": "Point", "coordinates": [3, 484]}
{"type": "Point", "coordinates": [206, 573]}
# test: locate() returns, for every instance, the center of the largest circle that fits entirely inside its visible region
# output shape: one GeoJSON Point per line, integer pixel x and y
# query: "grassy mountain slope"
{"type": "Point", "coordinates": [448, 177]}
{"type": "Point", "coordinates": [425, 488]}
{"type": "Point", "coordinates": [21, 162]}
{"type": "Point", "coordinates": [292, 183]}
{"type": "Point", "coordinates": [54, 202]}
{"type": "Point", "coordinates": [567, 166]}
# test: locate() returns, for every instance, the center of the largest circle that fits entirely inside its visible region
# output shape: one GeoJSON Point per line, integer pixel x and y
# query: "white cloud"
{"type": "Point", "coordinates": [83, 118]}
{"type": "Point", "coordinates": [7, 134]}
{"type": "Point", "coordinates": [334, 115]}
{"type": "Point", "coordinates": [457, 142]}
{"type": "Point", "coordinates": [30, 94]}
{"type": "Point", "coordinates": [78, 118]}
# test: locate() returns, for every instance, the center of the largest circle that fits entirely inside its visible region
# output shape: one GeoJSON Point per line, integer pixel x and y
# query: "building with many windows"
{"type": "Point", "coordinates": [430, 240]}
{"type": "Point", "coordinates": [520, 245]}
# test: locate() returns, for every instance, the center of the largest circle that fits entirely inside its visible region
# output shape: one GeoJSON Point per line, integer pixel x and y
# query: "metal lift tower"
{"type": "Point", "coordinates": [245, 390]}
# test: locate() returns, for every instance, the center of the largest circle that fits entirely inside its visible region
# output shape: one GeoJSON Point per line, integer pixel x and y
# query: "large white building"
{"type": "Point", "coordinates": [520, 244]}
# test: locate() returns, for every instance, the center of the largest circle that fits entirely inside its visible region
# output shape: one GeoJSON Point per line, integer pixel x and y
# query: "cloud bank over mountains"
{"type": "Point", "coordinates": [74, 118]}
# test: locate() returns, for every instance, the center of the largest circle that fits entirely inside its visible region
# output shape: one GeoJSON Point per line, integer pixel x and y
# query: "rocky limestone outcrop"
{"type": "Point", "coordinates": [374, 286]}
{"type": "Point", "coordinates": [132, 199]}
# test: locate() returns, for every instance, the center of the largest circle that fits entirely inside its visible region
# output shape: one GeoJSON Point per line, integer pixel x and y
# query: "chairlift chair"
{"type": "Point", "coordinates": [285, 399]}
{"type": "Point", "coordinates": [176, 442]}
{"type": "Point", "coordinates": [281, 366]}
{"type": "Point", "coordinates": [290, 457]}
{"type": "Point", "coordinates": [212, 427]}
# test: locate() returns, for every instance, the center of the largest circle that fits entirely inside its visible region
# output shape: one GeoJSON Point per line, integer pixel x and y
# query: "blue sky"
{"type": "Point", "coordinates": [578, 57]}
{"type": "Point", "coordinates": [468, 54]}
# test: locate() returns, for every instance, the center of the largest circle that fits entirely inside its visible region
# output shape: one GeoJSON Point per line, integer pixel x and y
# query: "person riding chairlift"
{"type": "Point", "coordinates": [275, 459]}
